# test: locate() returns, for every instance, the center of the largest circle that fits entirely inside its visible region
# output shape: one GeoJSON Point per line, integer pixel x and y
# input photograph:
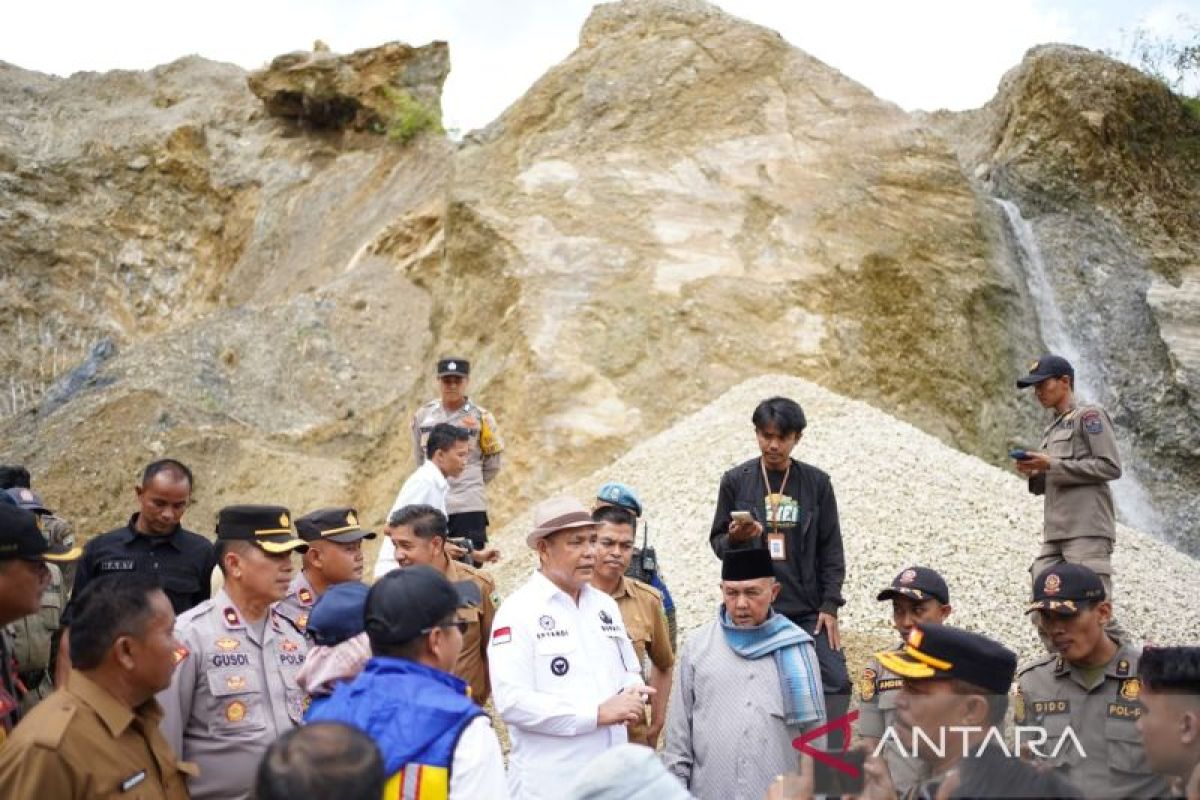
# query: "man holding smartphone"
{"type": "Point", "coordinates": [1072, 470]}
{"type": "Point", "coordinates": [777, 503]}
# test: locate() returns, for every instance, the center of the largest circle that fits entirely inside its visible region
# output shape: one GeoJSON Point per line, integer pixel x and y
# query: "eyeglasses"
{"type": "Point", "coordinates": [458, 623]}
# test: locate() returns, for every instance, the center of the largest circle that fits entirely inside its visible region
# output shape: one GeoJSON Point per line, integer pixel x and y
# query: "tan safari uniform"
{"type": "Point", "coordinates": [234, 693]}
{"type": "Point", "coordinates": [1051, 694]}
{"type": "Point", "coordinates": [32, 637]}
{"type": "Point", "coordinates": [483, 455]}
{"type": "Point", "coordinates": [877, 690]}
{"type": "Point", "coordinates": [299, 602]}
{"type": "Point", "coordinates": [472, 665]}
{"type": "Point", "coordinates": [1080, 523]}
{"type": "Point", "coordinates": [84, 743]}
{"type": "Point", "coordinates": [641, 608]}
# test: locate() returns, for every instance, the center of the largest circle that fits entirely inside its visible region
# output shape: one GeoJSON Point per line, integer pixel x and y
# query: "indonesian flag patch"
{"type": "Point", "coordinates": [502, 635]}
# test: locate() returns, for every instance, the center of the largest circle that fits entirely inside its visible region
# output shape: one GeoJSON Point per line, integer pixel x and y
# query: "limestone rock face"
{"type": "Point", "coordinates": [1105, 164]}
{"type": "Point", "coordinates": [363, 90]}
{"type": "Point", "coordinates": [258, 283]}
{"type": "Point", "coordinates": [182, 275]}
{"type": "Point", "coordinates": [688, 200]}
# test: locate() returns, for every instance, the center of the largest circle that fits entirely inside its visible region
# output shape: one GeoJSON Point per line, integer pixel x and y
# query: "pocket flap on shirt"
{"type": "Point", "coordinates": [225, 681]}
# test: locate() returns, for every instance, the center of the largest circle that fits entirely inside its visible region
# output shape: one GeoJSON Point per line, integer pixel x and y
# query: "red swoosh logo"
{"type": "Point", "coordinates": [842, 723]}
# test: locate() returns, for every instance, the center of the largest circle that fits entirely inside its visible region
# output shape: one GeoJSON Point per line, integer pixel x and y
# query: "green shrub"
{"type": "Point", "coordinates": [405, 116]}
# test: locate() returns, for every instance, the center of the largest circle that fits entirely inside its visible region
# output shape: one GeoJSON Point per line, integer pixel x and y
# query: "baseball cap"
{"type": "Point", "coordinates": [27, 499]}
{"type": "Point", "coordinates": [269, 527]}
{"type": "Point", "coordinates": [338, 524]}
{"type": "Point", "coordinates": [453, 366]}
{"type": "Point", "coordinates": [1062, 587]}
{"type": "Point", "coordinates": [559, 513]}
{"type": "Point", "coordinates": [618, 494]}
{"type": "Point", "coordinates": [410, 601]}
{"type": "Point", "coordinates": [1048, 366]}
{"type": "Point", "coordinates": [339, 614]}
{"type": "Point", "coordinates": [917, 583]}
{"type": "Point", "coordinates": [21, 538]}
{"type": "Point", "coordinates": [940, 651]}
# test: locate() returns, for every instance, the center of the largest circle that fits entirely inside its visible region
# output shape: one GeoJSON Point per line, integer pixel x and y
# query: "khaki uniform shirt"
{"type": "Point", "coordinates": [877, 690]}
{"type": "Point", "coordinates": [32, 637]}
{"type": "Point", "coordinates": [472, 665]}
{"type": "Point", "coordinates": [641, 608]}
{"type": "Point", "coordinates": [84, 743]}
{"type": "Point", "coordinates": [483, 456]}
{"type": "Point", "coordinates": [232, 695]}
{"type": "Point", "coordinates": [1083, 460]}
{"type": "Point", "coordinates": [1051, 694]}
{"type": "Point", "coordinates": [299, 602]}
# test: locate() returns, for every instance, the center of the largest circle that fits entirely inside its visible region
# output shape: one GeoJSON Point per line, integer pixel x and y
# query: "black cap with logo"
{"type": "Point", "coordinates": [939, 651]}
{"type": "Point", "coordinates": [269, 527]}
{"type": "Point", "coordinates": [1048, 366]}
{"type": "Point", "coordinates": [917, 583]}
{"type": "Point", "coordinates": [1064, 588]}
{"type": "Point", "coordinates": [453, 366]}
{"type": "Point", "coordinates": [338, 524]}
{"type": "Point", "coordinates": [21, 538]}
{"type": "Point", "coordinates": [412, 601]}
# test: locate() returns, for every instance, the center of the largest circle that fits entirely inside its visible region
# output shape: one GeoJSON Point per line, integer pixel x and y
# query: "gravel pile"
{"type": "Point", "coordinates": [904, 498]}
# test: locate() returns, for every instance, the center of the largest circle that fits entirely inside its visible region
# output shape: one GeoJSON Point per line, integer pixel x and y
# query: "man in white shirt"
{"type": "Point", "coordinates": [446, 451]}
{"type": "Point", "coordinates": [565, 677]}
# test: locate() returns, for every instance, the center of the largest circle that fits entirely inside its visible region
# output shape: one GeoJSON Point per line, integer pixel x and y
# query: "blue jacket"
{"type": "Point", "coordinates": [414, 713]}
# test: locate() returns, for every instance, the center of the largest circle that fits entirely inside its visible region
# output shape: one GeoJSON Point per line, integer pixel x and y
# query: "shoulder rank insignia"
{"type": "Point", "coordinates": [305, 596]}
{"type": "Point", "coordinates": [1123, 667]}
{"type": "Point", "coordinates": [1018, 705]}
{"type": "Point", "coordinates": [866, 685]}
{"type": "Point", "coordinates": [180, 654]}
{"type": "Point", "coordinates": [302, 622]}
{"type": "Point", "coordinates": [231, 617]}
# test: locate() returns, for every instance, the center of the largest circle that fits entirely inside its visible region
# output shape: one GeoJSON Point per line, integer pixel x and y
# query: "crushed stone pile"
{"type": "Point", "coordinates": [904, 498]}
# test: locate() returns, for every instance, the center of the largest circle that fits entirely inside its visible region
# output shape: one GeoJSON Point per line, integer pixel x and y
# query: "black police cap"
{"type": "Point", "coordinates": [1048, 366]}
{"type": "Point", "coordinates": [269, 527]}
{"type": "Point", "coordinates": [917, 583]}
{"type": "Point", "coordinates": [939, 651]}
{"type": "Point", "coordinates": [453, 366]}
{"type": "Point", "coordinates": [337, 524]}
{"type": "Point", "coordinates": [21, 538]}
{"type": "Point", "coordinates": [1064, 588]}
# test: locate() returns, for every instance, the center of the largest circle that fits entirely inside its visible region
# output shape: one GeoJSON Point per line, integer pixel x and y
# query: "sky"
{"type": "Point", "coordinates": [925, 54]}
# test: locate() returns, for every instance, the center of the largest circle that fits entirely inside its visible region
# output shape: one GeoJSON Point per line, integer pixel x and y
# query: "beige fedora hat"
{"type": "Point", "coordinates": [557, 514]}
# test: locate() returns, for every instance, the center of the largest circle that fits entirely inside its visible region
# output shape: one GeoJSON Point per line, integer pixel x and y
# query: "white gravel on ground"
{"type": "Point", "coordinates": [904, 497]}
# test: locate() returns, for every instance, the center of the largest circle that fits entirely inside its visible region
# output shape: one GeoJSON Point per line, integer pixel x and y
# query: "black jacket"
{"type": "Point", "coordinates": [811, 577]}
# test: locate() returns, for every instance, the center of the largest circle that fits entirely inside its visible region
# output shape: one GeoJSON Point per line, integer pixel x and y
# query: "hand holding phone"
{"type": "Point", "coordinates": [1018, 455]}
{"type": "Point", "coordinates": [741, 516]}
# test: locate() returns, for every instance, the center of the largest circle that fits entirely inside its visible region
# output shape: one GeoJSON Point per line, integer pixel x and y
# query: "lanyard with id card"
{"type": "Point", "coordinates": [774, 501]}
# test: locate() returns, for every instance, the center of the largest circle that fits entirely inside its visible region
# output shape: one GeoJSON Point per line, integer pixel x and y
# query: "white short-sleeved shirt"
{"type": "Point", "coordinates": [552, 664]}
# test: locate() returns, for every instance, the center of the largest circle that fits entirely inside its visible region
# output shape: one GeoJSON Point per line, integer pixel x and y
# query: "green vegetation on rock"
{"type": "Point", "coordinates": [406, 117]}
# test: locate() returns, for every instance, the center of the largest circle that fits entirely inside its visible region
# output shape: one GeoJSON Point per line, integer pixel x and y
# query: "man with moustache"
{"type": "Point", "coordinates": [334, 556]}
{"type": "Point", "coordinates": [98, 736]}
{"type": "Point", "coordinates": [419, 535]}
{"type": "Point", "coordinates": [565, 677]}
{"type": "Point", "coordinates": [642, 611]}
{"type": "Point", "coordinates": [1090, 685]}
{"type": "Point", "coordinates": [234, 691]}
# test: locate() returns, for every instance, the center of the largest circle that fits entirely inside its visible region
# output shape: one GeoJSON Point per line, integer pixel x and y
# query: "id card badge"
{"type": "Point", "coordinates": [775, 546]}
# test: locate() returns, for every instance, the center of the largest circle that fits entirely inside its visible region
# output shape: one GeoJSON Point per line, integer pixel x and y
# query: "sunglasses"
{"type": "Point", "coordinates": [458, 623]}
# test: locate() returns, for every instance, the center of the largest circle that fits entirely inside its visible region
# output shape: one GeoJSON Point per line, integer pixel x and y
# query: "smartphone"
{"type": "Point", "coordinates": [834, 782]}
{"type": "Point", "coordinates": [1018, 455]}
{"type": "Point", "coordinates": [741, 516]}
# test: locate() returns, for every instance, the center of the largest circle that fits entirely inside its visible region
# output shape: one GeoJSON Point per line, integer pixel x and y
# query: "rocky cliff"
{"type": "Point", "coordinates": [259, 285]}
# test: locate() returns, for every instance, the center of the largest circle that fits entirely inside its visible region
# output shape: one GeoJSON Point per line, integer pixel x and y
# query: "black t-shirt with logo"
{"type": "Point", "coordinates": [804, 512]}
